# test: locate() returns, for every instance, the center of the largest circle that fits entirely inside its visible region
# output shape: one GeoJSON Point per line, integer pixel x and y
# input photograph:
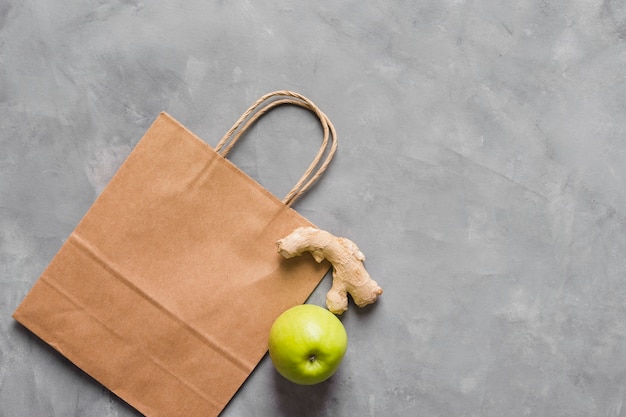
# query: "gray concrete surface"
{"type": "Point", "coordinates": [481, 169]}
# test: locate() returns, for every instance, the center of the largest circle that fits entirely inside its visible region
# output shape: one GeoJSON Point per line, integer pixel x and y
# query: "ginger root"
{"type": "Point", "coordinates": [349, 274]}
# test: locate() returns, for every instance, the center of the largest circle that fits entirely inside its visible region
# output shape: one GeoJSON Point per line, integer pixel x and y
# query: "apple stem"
{"type": "Point", "coordinates": [312, 358]}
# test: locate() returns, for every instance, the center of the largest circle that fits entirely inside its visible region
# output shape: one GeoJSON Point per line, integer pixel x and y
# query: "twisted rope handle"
{"type": "Point", "coordinates": [267, 103]}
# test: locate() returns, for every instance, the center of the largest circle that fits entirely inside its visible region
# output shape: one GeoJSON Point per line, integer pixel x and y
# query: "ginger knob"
{"type": "Point", "coordinates": [349, 274]}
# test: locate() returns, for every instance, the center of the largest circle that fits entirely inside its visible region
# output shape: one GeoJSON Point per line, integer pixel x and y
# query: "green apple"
{"type": "Point", "coordinates": [307, 344]}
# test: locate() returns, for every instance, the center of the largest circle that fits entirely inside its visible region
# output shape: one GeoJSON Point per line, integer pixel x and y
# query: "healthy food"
{"type": "Point", "coordinates": [349, 274]}
{"type": "Point", "coordinates": [307, 344]}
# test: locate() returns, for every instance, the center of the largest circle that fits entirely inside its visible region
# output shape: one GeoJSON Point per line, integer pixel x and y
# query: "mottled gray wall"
{"type": "Point", "coordinates": [481, 169]}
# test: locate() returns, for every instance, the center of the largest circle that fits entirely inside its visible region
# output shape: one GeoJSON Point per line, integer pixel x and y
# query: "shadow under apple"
{"type": "Point", "coordinates": [304, 400]}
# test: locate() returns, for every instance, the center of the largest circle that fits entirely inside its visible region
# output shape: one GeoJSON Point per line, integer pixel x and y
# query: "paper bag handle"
{"type": "Point", "coordinates": [265, 104]}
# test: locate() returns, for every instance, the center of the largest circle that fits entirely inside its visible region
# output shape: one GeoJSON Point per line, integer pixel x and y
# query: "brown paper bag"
{"type": "Point", "coordinates": [167, 288]}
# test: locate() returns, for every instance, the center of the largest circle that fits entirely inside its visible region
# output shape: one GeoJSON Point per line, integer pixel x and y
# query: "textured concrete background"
{"type": "Point", "coordinates": [481, 169]}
